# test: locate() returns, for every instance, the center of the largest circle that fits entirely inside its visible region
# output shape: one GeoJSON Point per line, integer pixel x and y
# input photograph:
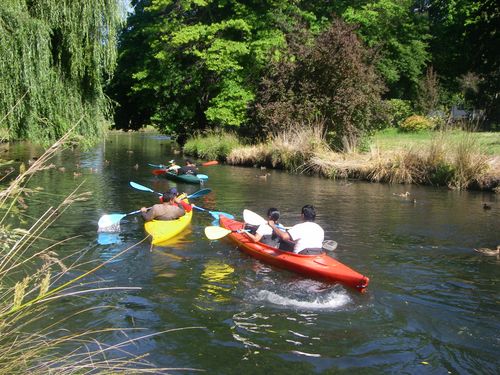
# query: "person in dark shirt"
{"type": "Point", "coordinates": [189, 168]}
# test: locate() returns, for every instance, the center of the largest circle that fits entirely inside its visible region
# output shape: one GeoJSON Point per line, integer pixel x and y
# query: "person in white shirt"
{"type": "Point", "coordinates": [264, 232]}
{"type": "Point", "coordinates": [307, 236]}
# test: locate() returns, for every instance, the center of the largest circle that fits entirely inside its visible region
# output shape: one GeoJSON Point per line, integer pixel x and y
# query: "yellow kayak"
{"type": "Point", "coordinates": [163, 230]}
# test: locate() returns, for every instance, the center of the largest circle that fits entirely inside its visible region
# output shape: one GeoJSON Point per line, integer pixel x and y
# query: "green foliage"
{"type": "Point", "coordinates": [330, 79]}
{"type": "Point", "coordinates": [399, 110]}
{"type": "Point", "coordinates": [416, 123]}
{"type": "Point", "coordinates": [54, 59]}
{"type": "Point", "coordinates": [212, 146]}
{"type": "Point", "coordinates": [401, 37]}
{"type": "Point", "coordinates": [200, 62]}
{"type": "Point", "coordinates": [465, 43]}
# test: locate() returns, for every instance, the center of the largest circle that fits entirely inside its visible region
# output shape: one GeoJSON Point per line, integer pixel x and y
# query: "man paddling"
{"type": "Point", "coordinates": [307, 236]}
{"type": "Point", "coordinates": [169, 209]}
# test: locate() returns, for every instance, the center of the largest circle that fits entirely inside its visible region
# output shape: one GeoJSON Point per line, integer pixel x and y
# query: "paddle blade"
{"type": "Point", "coordinates": [330, 245]}
{"type": "Point", "coordinates": [214, 233]}
{"type": "Point", "coordinates": [110, 223]}
{"type": "Point", "coordinates": [137, 186]}
{"type": "Point", "coordinates": [208, 163]}
{"type": "Point", "coordinates": [216, 214]}
{"type": "Point", "coordinates": [199, 193]}
{"type": "Point", "coordinates": [252, 218]}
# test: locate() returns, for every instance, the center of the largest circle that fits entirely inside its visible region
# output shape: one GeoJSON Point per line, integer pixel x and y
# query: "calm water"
{"type": "Point", "coordinates": [432, 305]}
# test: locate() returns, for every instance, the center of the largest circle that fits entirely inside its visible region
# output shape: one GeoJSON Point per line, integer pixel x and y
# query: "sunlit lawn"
{"type": "Point", "coordinates": [391, 139]}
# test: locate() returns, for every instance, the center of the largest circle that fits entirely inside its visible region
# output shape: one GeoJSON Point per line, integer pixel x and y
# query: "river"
{"type": "Point", "coordinates": [431, 307]}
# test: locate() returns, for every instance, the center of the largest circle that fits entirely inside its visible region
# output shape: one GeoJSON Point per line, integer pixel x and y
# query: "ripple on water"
{"type": "Point", "coordinates": [303, 295]}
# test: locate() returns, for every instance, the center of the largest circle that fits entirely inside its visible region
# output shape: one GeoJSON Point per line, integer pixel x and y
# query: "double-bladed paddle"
{"type": "Point", "coordinates": [199, 193]}
{"type": "Point", "coordinates": [111, 222]}
{"type": "Point", "coordinates": [196, 194]}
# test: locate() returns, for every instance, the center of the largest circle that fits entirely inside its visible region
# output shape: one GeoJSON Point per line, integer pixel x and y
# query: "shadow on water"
{"type": "Point", "coordinates": [431, 306]}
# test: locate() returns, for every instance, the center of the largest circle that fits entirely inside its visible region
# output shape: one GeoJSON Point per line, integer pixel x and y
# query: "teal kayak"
{"type": "Point", "coordinates": [187, 178]}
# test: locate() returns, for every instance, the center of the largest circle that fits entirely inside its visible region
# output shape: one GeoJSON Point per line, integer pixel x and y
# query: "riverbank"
{"type": "Point", "coordinates": [458, 160]}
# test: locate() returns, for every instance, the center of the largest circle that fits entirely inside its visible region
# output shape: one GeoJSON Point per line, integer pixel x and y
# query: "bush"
{"type": "Point", "coordinates": [212, 146]}
{"type": "Point", "coordinates": [416, 123]}
{"type": "Point", "coordinates": [399, 110]}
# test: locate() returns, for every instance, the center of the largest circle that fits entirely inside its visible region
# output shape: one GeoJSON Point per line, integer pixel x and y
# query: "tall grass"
{"type": "Point", "coordinates": [32, 277]}
{"type": "Point", "coordinates": [290, 149]}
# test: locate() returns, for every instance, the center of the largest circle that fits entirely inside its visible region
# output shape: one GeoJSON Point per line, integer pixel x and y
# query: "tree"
{"type": "Point", "coordinates": [465, 45]}
{"type": "Point", "coordinates": [399, 35]}
{"type": "Point", "coordinates": [55, 57]}
{"type": "Point", "coordinates": [331, 78]}
{"type": "Point", "coordinates": [200, 61]}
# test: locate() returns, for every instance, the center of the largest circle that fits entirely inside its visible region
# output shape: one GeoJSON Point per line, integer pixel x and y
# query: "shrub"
{"type": "Point", "coordinates": [212, 146]}
{"type": "Point", "coordinates": [416, 123]}
{"type": "Point", "coordinates": [399, 110]}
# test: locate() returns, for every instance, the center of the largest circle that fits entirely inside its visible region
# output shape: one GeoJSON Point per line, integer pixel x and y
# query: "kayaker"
{"type": "Point", "coordinates": [264, 232]}
{"type": "Point", "coordinates": [179, 201]}
{"type": "Point", "coordinates": [167, 210]}
{"type": "Point", "coordinates": [173, 167]}
{"type": "Point", "coordinates": [307, 236]}
{"type": "Point", "coordinates": [189, 168]}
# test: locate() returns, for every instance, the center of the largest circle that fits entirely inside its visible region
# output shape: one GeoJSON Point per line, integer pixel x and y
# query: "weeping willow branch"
{"type": "Point", "coordinates": [56, 55]}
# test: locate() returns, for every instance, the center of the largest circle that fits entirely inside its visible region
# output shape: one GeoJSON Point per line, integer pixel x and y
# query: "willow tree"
{"type": "Point", "coordinates": [55, 57]}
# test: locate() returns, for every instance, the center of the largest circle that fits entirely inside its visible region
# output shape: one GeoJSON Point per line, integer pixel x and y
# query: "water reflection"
{"type": "Point", "coordinates": [216, 284]}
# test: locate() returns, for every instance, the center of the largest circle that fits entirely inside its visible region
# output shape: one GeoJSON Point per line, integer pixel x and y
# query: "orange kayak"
{"type": "Point", "coordinates": [321, 267]}
{"type": "Point", "coordinates": [207, 163]}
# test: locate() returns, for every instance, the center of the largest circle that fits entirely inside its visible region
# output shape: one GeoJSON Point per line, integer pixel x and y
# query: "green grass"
{"type": "Point", "coordinates": [392, 139]}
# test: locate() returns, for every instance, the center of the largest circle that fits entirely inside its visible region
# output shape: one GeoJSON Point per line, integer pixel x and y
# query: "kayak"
{"type": "Point", "coordinates": [321, 267]}
{"type": "Point", "coordinates": [163, 230]}
{"type": "Point", "coordinates": [187, 178]}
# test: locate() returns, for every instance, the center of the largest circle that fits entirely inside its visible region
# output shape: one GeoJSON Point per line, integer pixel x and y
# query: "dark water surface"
{"type": "Point", "coordinates": [432, 305]}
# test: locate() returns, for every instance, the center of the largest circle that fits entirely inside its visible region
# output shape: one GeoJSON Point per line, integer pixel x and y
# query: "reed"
{"type": "Point", "coordinates": [469, 163]}
{"type": "Point", "coordinates": [33, 276]}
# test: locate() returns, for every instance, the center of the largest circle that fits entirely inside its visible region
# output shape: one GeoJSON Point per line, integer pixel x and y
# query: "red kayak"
{"type": "Point", "coordinates": [320, 267]}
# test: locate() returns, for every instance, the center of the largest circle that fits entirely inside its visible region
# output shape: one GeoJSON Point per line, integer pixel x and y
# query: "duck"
{"type": "Point", "coordinates": [489, 252]}
{"type": "Point", "coordinates": [486, 206]}
{"type": "Point", "coordinates": [264, 176]}
{"type": "Point", "coordinates": [76, 174]}
{"type": "Point", "coordinates": [402, 194]}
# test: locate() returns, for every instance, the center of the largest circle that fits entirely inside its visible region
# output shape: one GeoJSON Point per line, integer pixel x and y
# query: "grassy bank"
{"type": "Point", "coordinates": [457, 159]}
{"type": "Point", "coordinates": [391, 139]}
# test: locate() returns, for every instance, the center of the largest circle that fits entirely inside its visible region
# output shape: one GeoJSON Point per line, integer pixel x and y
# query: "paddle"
{"type": "Point", "coordinates": [215, 214]}
{"type": "Point", "coordinates": [214, 233]}
{"type": "Point", "coordinates": [111, 222]}
{"type": "Point", "coordinates": [252, 218]}
{"type": "Point", "coordinates": [158, 172]}
{"type": "Point", "coordinates": [196, 194]}
{"type": "Point", "coordinates": [209, 163]}
{"type": "Point", "coordinates": [199, 193]}
{"type": "Point", "coordinates": [161, 165]}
